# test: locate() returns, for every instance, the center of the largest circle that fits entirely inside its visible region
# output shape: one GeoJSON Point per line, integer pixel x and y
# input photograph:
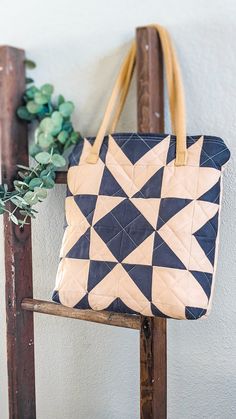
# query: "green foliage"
{"type": "Point", "coordinates": [29, 64]}
{"type": "Point", "coordinates": [54, 133]}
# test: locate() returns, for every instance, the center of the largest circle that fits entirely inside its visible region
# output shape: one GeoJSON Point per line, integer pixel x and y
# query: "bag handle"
{"type": "Point", "coordinates": [175, 94]}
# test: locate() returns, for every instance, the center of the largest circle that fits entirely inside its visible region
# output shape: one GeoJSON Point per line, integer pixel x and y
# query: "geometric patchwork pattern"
{"type": "Point", "coordinates": [141, 233]}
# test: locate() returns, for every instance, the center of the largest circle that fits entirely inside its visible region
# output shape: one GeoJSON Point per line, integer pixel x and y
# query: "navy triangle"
{"type": "Point", "coordinates": [55, 297]}
{"type": "Point", "coordinates": [119, 307]}
{"type": "Point", "coordinates": [152, 188]}
{"type": "Point", "coordinates": [97, 271]}
{"type": "Point", "coordinates": [169, 207]}
{"type": "Point", "coordinates": [109, 185]}
{"type": "Point", "coordinates": [83, 303]}
{"type": "Point", "coordinates": [86, 204]}
{"type": "Point", "coordinates": [214, 153]}
{"type": "Point", "coordinates": [80, 250]}
{"type": "Point", "coordinates": [164, 256]}
{"type": "Point", "coordinates": [206, 237]}
{"type": "Point", "coordinates": [213, 194]}
{"type": "Point", "coordinates": [142, 277]}
{"type": "Point", "coordinates": [205, 280]}
{"type": "Point", "coordinates": [123, 308]}
{"type": "Point", "coordinates": [136, 146]}
{"type": "Point", "coordinates": [209, 229]}
{"type": "Point", "coordinates": [194, 313]}
{"type": "Point", "coordinates": [157, 313]}
{"type": "Point", "coordinates": [68, 191]}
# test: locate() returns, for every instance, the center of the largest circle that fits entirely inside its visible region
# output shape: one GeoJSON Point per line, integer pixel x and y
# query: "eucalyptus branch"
{"type": "Point", "coordinates": [53, 135]}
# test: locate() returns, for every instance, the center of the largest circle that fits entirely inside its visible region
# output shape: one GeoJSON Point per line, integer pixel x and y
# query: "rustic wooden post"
{"type": "Point", "coordinates": [18, 254]}
{"type": "Point", "coordinates": [153, 365]}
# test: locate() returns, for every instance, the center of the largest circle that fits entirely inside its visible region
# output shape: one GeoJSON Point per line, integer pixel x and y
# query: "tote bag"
{"type": "Point", "coordinates": [142, 213]}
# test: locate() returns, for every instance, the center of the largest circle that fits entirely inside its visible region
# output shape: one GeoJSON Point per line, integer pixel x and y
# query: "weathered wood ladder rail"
{"type": "Point", "coordinates": [20, 304]}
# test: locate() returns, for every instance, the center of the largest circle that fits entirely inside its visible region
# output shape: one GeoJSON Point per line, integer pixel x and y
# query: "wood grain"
{"type": "Point", "coordinates": [103, 317]}
{"type": "Point", "coordinates": [61, 177]}
{"type": "Point", "coordinates": [153, 362]}
{"type": "Point", "coordinates": [18, 252]}
{"type": "Point", "coordinates": [18, 255]}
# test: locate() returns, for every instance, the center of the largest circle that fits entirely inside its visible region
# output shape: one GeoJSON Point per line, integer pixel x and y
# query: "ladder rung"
{"type": "Point", "coordinates": [104, 317]}
{"type": "Point", "coordinates": [61, 177]}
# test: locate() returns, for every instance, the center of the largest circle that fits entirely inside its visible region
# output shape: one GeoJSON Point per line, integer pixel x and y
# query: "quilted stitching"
{"type": "Point", "coordinates": [128, 162]}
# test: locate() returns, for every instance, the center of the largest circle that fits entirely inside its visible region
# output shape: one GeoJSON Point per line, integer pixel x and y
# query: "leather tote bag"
{"type": "Point", "coordinates": [142, 212]}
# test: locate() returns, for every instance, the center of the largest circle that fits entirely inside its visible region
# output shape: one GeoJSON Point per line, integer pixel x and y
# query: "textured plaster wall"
{"type": "Point", "coordinates": [87, 371]}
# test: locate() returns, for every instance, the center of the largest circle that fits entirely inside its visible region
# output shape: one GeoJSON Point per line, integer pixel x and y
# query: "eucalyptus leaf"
{"type": "Point", "coordinates": [21, 175]}
{"type": "Point", "coordinates": [17, 202]}
{"type": "Point", "coordinates": [13, 219]}
{"type": "Point", "coordinates": [47, 125]}
{"type": "Point", "coordinates": [29, 64]}
{"type": "Point", "coordinates": [2, 210]}
{"type": "Point", "coordinates": [47, 89]}
{"type": "Point", "coordinates": [48, 174]}
{"type": "Point", "coordinates": [30, 92]}
{"type": "Point", "coordinates": [36, 182]}
{"type": "Point", "coordinates": [43, 157]}
{"type": "Point", "coordinates": [23, 113]}
{"type": "Point", "coordinates": [21, 199]}
{"type": "Point", "coordinates": [58, 160]}
{"type": "Point", "coordinates": [34, 149]}
{"type": "Point", "coordinates": [40, 98]}
{"type": "Point", "coordinates": [66, 109]}
{"type": "Point", "coordinates": [56, 130]}
{"type": "Point", "coordinates": [41, 193]}
{"type": "Point", "coordinates": [62, 137]}
{"type": "Point", "coordinates": [48, 182]}
{"type": "Point", "coordinates": [60, 100]}
{"type": "Point", "coordinates": [20, 183]}
{"type": "Point", "coordinates": [45, 140]}
{"type": "Point", "coordinates": [33, 107]}
{"type": "Point", "coordinates": [21, 166]}
{"type": "Point", "coordinates": [67, 126]}
{"type": "Point", "coordinates": [28, 80]}
{"type": "Point", "coordinates": [31, 198]}
{"type": "Point", "coordinates": [23, 212]}
{"type": "Point", "coordinates": [74, 137]}
{"type": "Point", "coordinates": [57, 118]}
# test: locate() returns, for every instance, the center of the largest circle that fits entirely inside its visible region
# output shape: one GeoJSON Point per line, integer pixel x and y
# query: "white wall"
{"type": "Point", "coordinates": [87, 371]}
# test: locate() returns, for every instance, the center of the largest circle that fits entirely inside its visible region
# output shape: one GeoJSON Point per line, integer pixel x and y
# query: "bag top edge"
{"type": "Point", "coordinates": [123, 135]}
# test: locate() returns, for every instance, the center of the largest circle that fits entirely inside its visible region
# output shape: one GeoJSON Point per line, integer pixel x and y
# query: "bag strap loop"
{"type": "Point", "coordinates": [175, 94]}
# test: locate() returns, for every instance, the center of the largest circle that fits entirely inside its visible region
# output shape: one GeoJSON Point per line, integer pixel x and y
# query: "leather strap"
{"type": "Point", "coordinates": [175, 94]}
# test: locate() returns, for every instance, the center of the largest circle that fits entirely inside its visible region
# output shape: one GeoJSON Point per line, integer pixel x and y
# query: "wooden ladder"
{"type": "Point", "coordinates": [20, 304]}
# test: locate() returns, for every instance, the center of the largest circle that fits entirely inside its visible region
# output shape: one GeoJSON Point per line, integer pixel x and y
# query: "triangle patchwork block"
{"type": "Point", "coordinates": [119, 307]}
{"type": "Point", "coordinates": [194, 313]}
{"type": "Point", "coordinates": [164, 256]}
{"type": "Point", "coordinates": [143, 253]}
{"type": "Point", "coordinates": [149, 208]}
{"type": "Point", "coordinates": [205, 280]}
{"type": "Point", "coordinates": [81, 248]}
{"type": "Point", "coordinates": [135, 147]}
{"type": "Point", "coordinates": [213, 194]}
{"type": "Point", "coordinates": [83, 303]}
{"type": "Point", "coordinates": [152, 188]}
{"type": "Point", "coordinates": [142, 277]}
{"type": "Point", "coordinates": [169, 207]}
{"type": "Point", "coordinates": [157, 312]}
{"type": "Point", "coordinates": [98, 271]}
{"type": "Point", "coordinates": [206, 237]}
{"type": "Point", "coordinates": [99, 249]}
{"type": "Point", "coordinates": [104, 205]}
{"type": "Point", "coordinates": [86, 204]}
{"type": "Point", "coordinates": [110, 186]}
